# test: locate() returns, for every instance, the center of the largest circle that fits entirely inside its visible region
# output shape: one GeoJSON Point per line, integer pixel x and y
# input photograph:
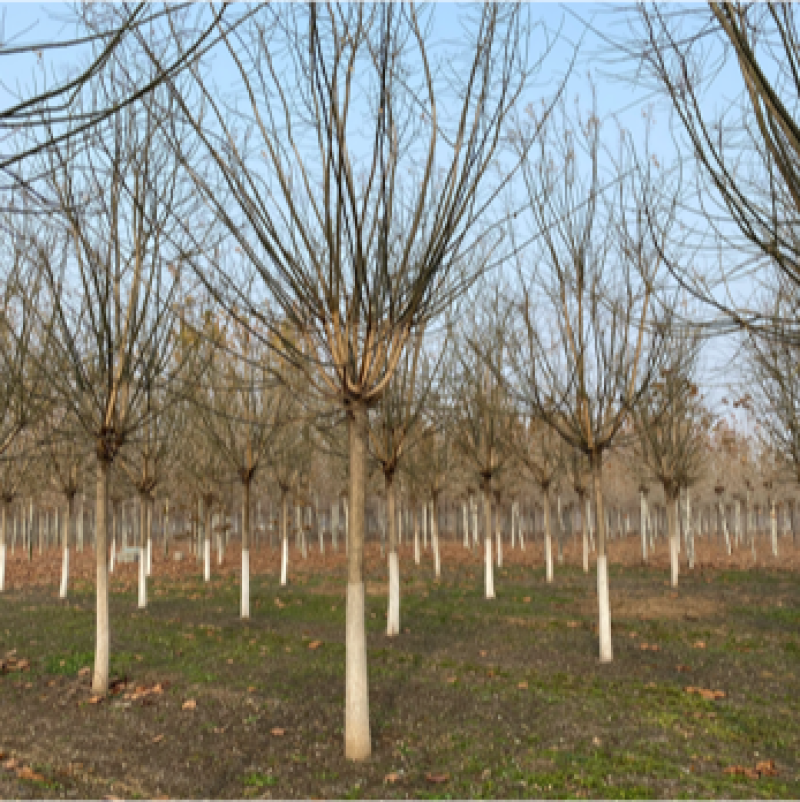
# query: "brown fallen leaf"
{"type": "Point", "coordinates": [572, 624]}
{"type": "Point", "coordinates": [451, 680]}
{"type": "Point", "coordinates": [315, 644]}
{"type": "Point", "coordinates": [11, 764]}
{"type": "Point", "coordinates": [27, 773]}
{"type": "Point", "coordinates": [392, 777]}
{"type": "Point", "coordinates": [527, 600]}
{"type": "Point", "coordinates": [523, 686]}
{"type": "Point", "coordinates": [251, 688]}
{"type": "Point", "coordinates": [699, 645]}
{"type": "Point", "coordinates": [482, 653]}
{"type": "Point", "coordinates": [95, 700]}
{"type": "Point", "coordinates": [683, 668]}
{"type": "Point", "coordinates": [189, 704]}
{"type": "Point", "coordinates": [158, 738]}
{"type": "Point", "coordinates": [437, 778]}
{"type": "Point", "coordinates": [277, 731]}
{"type": "Point", "coordinates": [767, 768]}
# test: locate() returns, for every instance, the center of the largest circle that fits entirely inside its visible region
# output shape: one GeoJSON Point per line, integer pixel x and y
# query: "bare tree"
{"type": "Point", "coordinates": [112, 198]}
{"type": "Point", "coordinates": [355, 197]}
{"type": "Point", "coordinates": [584, 346]}
{"type": "Point", "coordinates": [671, 426]}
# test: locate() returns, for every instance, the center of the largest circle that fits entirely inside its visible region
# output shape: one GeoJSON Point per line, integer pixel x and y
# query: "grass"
{"type": "Point", "coordinates": [530, 711]}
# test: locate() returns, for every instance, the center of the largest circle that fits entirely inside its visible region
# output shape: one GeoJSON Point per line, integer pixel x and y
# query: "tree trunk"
{"type": "Point", "coordinates": [245, 607]}
{"type": "Point", "coordinates": [437, 561]}
{"type": "Point", "coordinates": [643, 524]}
{"type": "Point", "coordinates": [773, 520]}
{"type": "Point", "coordinates": [3, 532]}
{"type": "Point", "coordinates": [284, 537]}
{"type": "Point", "coordinates": [487, 539]}
{"type": "Point", "coordinates": [148, 520]}
{"type": "Point", "coordinates": [672, 535]}
{"type": "Point", "coordinates": [548, 537]}
{"type": "Point", "coordinates": [357, 742]}
{"type": "Point", "coordinates": [603, 601]}
{"type": "Point", "coordinates": [142, 556]}
{"type": "Point", "coordinates": [207, 544]}
{"type": "Point", "coordinates": [65, 527]}
{"type": "Point", "coordinates": [416, 535]}
{"type": "Point", "coordinates": [393, 614]}
{"type": "Point", "coordinates": [102, 638]}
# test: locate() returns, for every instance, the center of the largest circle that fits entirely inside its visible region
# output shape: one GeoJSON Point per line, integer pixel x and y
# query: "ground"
{"type": "Point", "coordinates": [477, 698]}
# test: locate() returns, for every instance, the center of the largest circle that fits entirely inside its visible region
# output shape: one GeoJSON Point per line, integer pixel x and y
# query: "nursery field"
{"type": "Point", "coordinates": [477, 698]}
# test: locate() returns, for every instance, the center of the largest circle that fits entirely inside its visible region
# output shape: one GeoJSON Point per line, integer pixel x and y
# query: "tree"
{"type": "Point", "coordinates": [671, 427]}
{"type": "Point", "coordinates": [584, 343]}
{"type": "Point", "coordinates": [111, 198]}
{"type": "Point", "coordinates": [358, 236]}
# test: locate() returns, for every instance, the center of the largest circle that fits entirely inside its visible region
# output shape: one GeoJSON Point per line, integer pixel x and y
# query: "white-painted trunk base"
{"type": "Point", "coordinates": [113, 556]}
{"type": "Point", "coordinates": [245, 609]}
{"type": "Point", "coordinates": [2, 567]}
{"type": "Point", "coordinates": [142, 579]}
{"type": "Point", "coordinates": [489, 568]}
{"type": "Point", "coordinates": [548, 557]}
{"type": "Point", "coordinates": [393, 616]}
{"type": "Point", "coordinates": [357, 741]}
{"type": "Point", "coordinates": [604, 610]}
{"type": "Point", "coordinates": [437, 559]}
{"type": "Point", "coordinates": [207, 560]}
{"type": "Point", "coordinates": [585, 552]}
{"type": "Point", "coordinates": [284, 561]}
{"type": "Point", "coordinates": [673, 562]}
{"type": "Point", "coordinates": [62, 593]}
{"type": "Point", "coordinates": [499, 550]}
{"type": "Point", "coordinates": [416, 547]}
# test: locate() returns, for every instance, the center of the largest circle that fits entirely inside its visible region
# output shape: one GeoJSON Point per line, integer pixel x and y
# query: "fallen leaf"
{"type": "Point", "coordinates": [95, 700]}
{"type": "Point", "coordinates": [158, 738]}
{"type": "Point", "coordinates": [707, 694]}
{"type": "Point", "coordinates": [278, 731]}
{"type": "Point", "coordinates": [251, 688]}
{"type": "Point", "coordinates": [451, 680]}
{"type": "Point", "coordinates": [766, 768]}
{"type": "Point", "coordinates": [596, 741]}
{"type": "Point", "coordinates": [523, 686]}
{"type": "Point", "coordinates": [699, 645]}
{"type": "Point", "coordinates": [392, 777]}
{"type": "Point", "coordinates": [230, 661]}
{"type": "Point", "coordinates": [527, 600]}
{"type": "Point", "coordinates": [11, 764]}
{"type": "Point", "coordinates": [437, 778]}
{"type": "Point", "coordinates": [683, 668]}
{"type": "Point", "coordinates": [27, 773]}
{"type": "Point", "coordinates": [572, 624]}
{"type": "Point", "coordinates": [189, 704]}
{"type": "Point", "coordinates": [315, 644]}
{"type": "Point", "coordinates": [482, 653]}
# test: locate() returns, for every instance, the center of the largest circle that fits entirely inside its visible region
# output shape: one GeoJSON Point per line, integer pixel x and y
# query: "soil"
{"type": "Point", "coordinates": [477, 698]}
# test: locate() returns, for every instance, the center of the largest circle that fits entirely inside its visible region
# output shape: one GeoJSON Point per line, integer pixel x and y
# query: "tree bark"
{"type": "Point", "coordinates": [142, 556]}
{"type": "Point", "coordinates": [207, 544]}
{"type": "Point", "coordinates": [3, 533]}
{"type": "Point", "coordinates": [102, 637]}
{"type": "Point", "coordinates": [357, 742]}
{"type": "Point", "coordinates": [672, 536]}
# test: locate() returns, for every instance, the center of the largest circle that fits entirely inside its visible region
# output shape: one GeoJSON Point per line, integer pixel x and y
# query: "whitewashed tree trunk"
{"type": "Point", "coordinates": [474, 509]}
{"type": "Point", "coordinates": [548, 539]}
{"type": "Point", "coordinates": [499, 548]}
{"type": "Point", "coordinates": [673, 540]}
{"type": "Point", "coordinates": [246, 536]}
{"type": "Point", "coordinates": [393, 613]}
{"type": "Point", "coordinates": [513, 531]}
{"type": "Point", "coordinates": [113, 555]}
{"type": "Point", "coordinates": [357, 739]}
{"type": "Point", "coordinates": [142, 557]}
{"type": "Point", "coordinates": [3, 533]}
{"type": "Point", "coordinates": [101, 650]}
{"type": "Point", "coordinates": [335, 525]}
{"type": "Point", "coordinates": [488, 563]}
{"type": "Point", "coordinates": [65, 524]}
{"type": "Point", "coordinates": [466, 524]}
{"type": "Point", "coordinates": [416, 536]}
{"type": "Point", "coordinates": [425, 526]}
{"type": "Point", "coordinates": [643, 523]}
{"type": "Point", "coordinates": [284, 538]}
{"type": "Point", "coordinates": [437, 560]}
{"type": "Point", "coordinates": [689, 529]}
{"type": "Point", "coordinates": [590, 522]}
{"type": "Point", "coordinates": [773, 520]}
{"type": "Point", "coordinates": [603, 600]}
